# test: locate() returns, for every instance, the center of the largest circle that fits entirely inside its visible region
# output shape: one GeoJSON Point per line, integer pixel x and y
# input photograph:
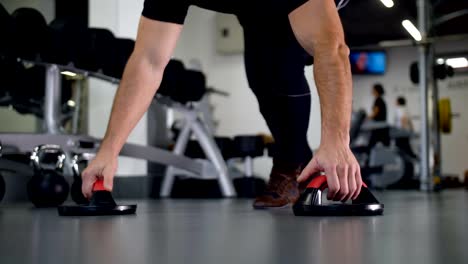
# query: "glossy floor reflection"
{"type": "Point", "coordinates": [416, 228]}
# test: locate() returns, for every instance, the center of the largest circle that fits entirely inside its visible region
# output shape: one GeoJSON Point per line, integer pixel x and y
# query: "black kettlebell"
{"type": "Point", "coordinates": [48, 187]}
{"type": "Point", "coordinates": [77, 162]}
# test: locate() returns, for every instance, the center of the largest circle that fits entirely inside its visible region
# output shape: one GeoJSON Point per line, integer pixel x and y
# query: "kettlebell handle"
{"type": "Point", "coordinates": [38, 151]}
{"type": "Point", "coordinates": [77, 159]}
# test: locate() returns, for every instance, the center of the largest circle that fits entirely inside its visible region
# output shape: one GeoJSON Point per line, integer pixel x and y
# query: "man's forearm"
{"type": "Point", "coordinates": [333, 79]}
{"type": "Point", "coordinates": [136, 91]}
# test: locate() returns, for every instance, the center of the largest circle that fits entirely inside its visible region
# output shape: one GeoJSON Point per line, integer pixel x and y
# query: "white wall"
{"type": "Point", "coordinates": [396, 82]}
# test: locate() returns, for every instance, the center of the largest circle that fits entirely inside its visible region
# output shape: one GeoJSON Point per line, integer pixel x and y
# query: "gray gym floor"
{"type": "Point", "coordinates": [416, 228]}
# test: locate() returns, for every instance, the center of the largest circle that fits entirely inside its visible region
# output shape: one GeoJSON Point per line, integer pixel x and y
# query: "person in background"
{"type": "Point", "coordinates": [379, 114]}
{"type": "Point", "coordinates": [402, 118]}
{"type": "Point", "coordinates": [403, 121]}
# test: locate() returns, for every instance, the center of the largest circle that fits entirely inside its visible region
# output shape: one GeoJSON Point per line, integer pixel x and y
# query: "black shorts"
{"type": "Point", "coordinates": [175, 11]}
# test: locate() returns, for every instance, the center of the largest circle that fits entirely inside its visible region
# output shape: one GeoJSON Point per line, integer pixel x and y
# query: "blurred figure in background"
{"type": "Point", "coordinates": [379, 114]}
{"type": "Point", "coordinates": [402, 120]}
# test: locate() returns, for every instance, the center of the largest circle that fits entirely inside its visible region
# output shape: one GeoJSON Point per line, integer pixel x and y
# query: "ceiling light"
{"type": "Point", "coordinates": [414, 32]}
{"type": "Point", "coordinates": [440, 61]}
{"type": "Point", "coordinates": [388, 3]}
{"type": "Point", "coordinates": [457, 62]}
{"type": "Point", "coordinates": [71, 103]}
{"type": "Point", "coordinates": [69, 73]}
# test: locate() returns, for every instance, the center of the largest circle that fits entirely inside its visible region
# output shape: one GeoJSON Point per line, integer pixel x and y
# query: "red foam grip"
{"type": "Point", "coordinates": [320, 182]}
{"type": "Point", "coordinates": [98, 186]}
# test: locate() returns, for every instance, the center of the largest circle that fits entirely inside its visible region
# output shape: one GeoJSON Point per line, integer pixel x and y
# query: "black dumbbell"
{"type": "Point", "coordinates": [78, 161]}
{"type": "Point", "coordinates": [11, 71]}
{"type": "Point", "coordinates": [191, 89]}
{"type": "Point", "coordinates": [225, 146]}
{"type": "Point", "coordinates": [68, 35]}
{"type": "Point", "coordinates": [248, 146]}
{"type": "Point", "coordinates": [182, 85]}
{"type": "Point", "coordinates": [172, 78]}
{"type": "Point", "coordinates": [97, 47]}
{"type": "Point", "coordinates": [31, 35]}
{"type": "Point", "coordinates": [28, 94]}
{"type": "Point", "coordinates": [48, 187]}
{"type": "Point", "coordinates": [6, 31]}
{"type": "Point", "coordinates": [123, 49]}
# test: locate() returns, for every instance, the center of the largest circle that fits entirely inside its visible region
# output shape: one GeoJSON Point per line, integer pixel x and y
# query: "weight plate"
{"type": "Point", "coordinates": [445, 116]}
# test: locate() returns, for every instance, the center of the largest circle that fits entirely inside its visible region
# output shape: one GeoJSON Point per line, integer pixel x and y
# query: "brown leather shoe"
{"type": "Point", "coordinates": [282, 189]}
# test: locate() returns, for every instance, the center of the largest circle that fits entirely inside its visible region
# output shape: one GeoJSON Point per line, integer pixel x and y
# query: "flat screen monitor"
{"type": "Point", "coordinates": [368, 62]}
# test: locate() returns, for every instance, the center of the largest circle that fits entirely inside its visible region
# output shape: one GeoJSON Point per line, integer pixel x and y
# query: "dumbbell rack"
{"type": "Point", "coordinates": [77, 144]}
